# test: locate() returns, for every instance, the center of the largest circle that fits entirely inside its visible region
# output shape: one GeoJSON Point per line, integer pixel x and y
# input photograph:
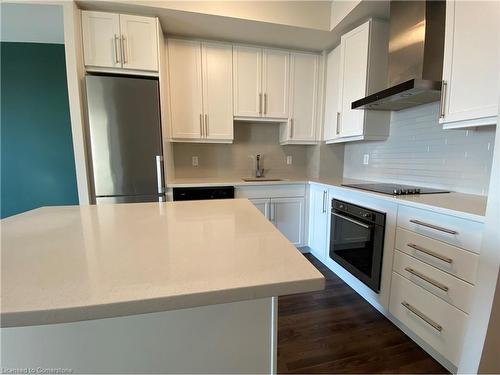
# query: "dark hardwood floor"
{"type": "Point", "coordinates": [336, 331]}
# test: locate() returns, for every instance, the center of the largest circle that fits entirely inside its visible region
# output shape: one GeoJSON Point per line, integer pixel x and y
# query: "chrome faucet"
{"type": "Point", "coordinates": [259, 172]}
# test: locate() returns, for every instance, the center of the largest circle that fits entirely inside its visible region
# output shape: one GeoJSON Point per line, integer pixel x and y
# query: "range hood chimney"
{"type": "Point", "coordinates": [416, 48]}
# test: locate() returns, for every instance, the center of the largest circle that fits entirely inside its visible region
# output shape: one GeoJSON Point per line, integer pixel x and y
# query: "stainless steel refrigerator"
{"type": "Point", "coordinates": [125, 139]}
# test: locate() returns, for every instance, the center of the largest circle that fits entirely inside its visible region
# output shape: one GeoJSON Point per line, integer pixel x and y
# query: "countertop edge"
{"type": "Point", "coordinates": [161, 304]}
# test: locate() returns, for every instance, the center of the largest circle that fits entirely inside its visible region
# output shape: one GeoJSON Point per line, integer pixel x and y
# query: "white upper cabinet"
{"type": "Point", "coordinates": [332, 112]}
{"type": "Point", "coordinates": [260, 83]}
{"type": "Point", "coordinates": [119, 41]}
{"type": "Point", "coordinates": [185, 82]}
{"type": "Point", "coordinates": [354, 73]}
{"type": "Point", "coordinates": [275, 81]}
{"type": "Point", "coordinates": [471, 64]}
{"type": "Point", "coordinates": [303, 99]}
{"type": "Point", "coordinates": [362, 71]}
{"type": "Point", "coordinates": [247, 78]}
{"type": "Point", "coordinates": [139, 42]}
{"type": "Point", "coordinates": [200, 91]}
{"type": "Point", "coordinates": [101, 39]}
{"type": "Point", "coordinates": [217, 63]}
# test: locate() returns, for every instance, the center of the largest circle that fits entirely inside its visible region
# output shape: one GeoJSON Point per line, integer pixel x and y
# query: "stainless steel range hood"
{"type": "Point", "coordinates": [416, 47]}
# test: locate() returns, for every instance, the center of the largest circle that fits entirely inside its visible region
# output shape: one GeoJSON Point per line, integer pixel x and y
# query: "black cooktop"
{"type": "Point", "coordinates": [395, 189]}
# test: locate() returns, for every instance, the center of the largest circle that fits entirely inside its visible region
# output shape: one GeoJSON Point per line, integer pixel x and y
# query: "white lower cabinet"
{"type": "Point", "coordinates": [435, 321]}
{"type": "Point", "coordinates": [287, 214]}
{"type": "Point", "coordinates": [318, 221]}
{"type": "Point", "coordinates": [282, 205]}
{"type": "Point", "coordinates": [429, 268]}
{"type": "Point", "coordinates": [433, 277]}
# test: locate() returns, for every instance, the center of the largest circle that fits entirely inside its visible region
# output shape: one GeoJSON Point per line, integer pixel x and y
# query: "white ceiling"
{"type": "Point", "coordinates": [31, 23]}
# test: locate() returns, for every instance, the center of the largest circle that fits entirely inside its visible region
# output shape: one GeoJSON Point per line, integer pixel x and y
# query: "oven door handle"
{"type": "Point", "coordinates": [352, 220]}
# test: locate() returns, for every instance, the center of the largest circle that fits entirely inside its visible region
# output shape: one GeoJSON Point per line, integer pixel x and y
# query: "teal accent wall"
{"type": "Point", "coordinates": [37, 161]}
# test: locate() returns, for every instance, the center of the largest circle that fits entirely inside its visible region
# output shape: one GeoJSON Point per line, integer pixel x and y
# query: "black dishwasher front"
{"type": "Point", "coordinates": [203, 193]}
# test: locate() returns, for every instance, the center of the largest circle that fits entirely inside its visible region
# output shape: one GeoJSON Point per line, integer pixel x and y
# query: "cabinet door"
{"type": "Point", "coordinates": [101, 39]}
{"type": "Point", "coordinates": [247, 73]}
{"type": "Point", "coordinates": [353, 73]}
{"type": "Point", "coordinates": [287, 214]}
{"type": "Point", "coordinates": [332, 110]}
{"type": "Point", "coordinates": [184, 69]}
{"type": "Point", "coordinates": [262, 205]}
{"type": "Point", "coordinates": [471, 63]}
{"type": "Point", "coordinates": [218, 90]}
{"type": "Point", "coordinates": [139, 42]}
{"type": "Point", "coordinates": [303, 96]}
{"type": "Point", "coordinates": [318, 221]}
{"type": "Point", "coordinates": [275, 81]}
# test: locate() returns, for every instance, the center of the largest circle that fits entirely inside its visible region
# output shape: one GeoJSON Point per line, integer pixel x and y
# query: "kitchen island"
{"type": "Point", "coordinates": [149, 287]}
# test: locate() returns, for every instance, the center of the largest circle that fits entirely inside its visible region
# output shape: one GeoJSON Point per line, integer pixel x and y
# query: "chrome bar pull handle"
{"type": "Point", "coordinates": [337, 130]}
{"type": "Point", "coordinates": [117, 54]}
{"type": "Point", "coordinates": [422, 316]}
{"type": "Point", "coordinates": [159, 174]}
{"type": "Point", "coordinates": [124, 49]}
{"type": "Point", "coordinates": [430, 252]}
{"type": "Point", "coordinates": [265, 104]}
{"type": "Point", "coordinates": [432, 226]}
{"type": "Point", "coordinates": [260, 103]}
{"type": "Point", "coordinates": [201, 125]}
{"type": "Point", "coordinates": [324, 201]}
{"type": "Point", "coordinates": [291, 128]}
{"type": "Point", "coordinates": [206, 125]}
{"type": "Point", "coordinates": [433, 282]}
{"type": "Point", "coordinates": [442, 101]}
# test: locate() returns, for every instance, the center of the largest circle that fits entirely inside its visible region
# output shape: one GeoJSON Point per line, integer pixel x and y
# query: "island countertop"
{"type": "Point", "coordinates": [74, 263]}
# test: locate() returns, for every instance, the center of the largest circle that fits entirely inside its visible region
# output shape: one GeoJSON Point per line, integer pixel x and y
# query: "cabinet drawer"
{"type": "Point", "coordinates": [447, 287]}
{"type": "Point", "coordinates": [450, 259]}
{"type": "Point", "coordinates": [438, 323]}
{"type": "Point", "coordinates": [453, 230]}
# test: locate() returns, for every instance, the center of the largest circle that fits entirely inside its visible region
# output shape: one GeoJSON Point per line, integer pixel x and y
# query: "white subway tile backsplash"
{"type": "Point", "coordinates": [419, 151]}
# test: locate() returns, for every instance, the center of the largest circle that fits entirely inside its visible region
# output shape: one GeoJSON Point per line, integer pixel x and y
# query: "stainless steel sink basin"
{"type": "Point", "coordinates": [261, 179]}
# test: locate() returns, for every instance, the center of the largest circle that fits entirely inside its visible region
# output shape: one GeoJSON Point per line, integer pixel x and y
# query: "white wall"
{"type": "Point", "coordinates": [418, 151]}
{"type": "Point", "coordinates": [31, 23]}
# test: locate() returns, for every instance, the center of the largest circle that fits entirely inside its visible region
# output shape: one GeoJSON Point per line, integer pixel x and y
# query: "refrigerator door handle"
{"type": "Point", "coordinates": [159, 174]}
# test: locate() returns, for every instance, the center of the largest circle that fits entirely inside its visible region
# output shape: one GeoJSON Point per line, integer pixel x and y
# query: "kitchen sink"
{"type": "Point", "coordinates": [258, 179]}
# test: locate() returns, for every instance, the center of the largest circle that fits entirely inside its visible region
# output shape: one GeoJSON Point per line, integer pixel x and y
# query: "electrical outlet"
{"type": "Point", "coordinates": [194, 161]}
{"type": "Point", "coordinates": [289, 160]}
{"type": "Point", "coordinates": [366, 159]}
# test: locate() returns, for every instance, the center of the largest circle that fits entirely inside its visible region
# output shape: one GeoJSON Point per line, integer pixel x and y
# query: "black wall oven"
{"type": "Point", "coordinates": [357, 241]}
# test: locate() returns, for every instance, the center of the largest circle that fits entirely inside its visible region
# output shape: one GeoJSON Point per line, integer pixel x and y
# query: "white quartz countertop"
{"type": "Point", "coordinates": [468, 206]}
{"type": "Point", "coordinates": [73, 263]}
{"type": "Point", "coordinates": [231, 181]}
